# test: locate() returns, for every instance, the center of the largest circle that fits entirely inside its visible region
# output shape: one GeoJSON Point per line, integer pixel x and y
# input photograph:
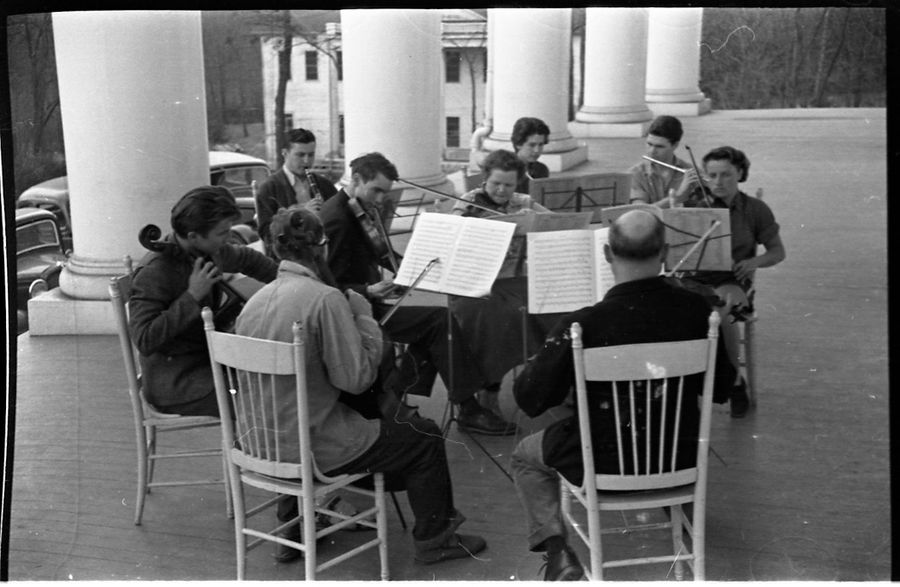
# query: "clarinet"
{"type": "Point", "coordinates": [314, 192]}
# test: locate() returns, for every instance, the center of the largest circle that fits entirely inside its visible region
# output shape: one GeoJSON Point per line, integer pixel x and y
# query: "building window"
{"type": "Point", "coordinates": [341, 129]}
{"type": "Point", "coordinates": [288, 122]}
{"type": "Point", "coordinates": [484, 71]}
{"type": "Point", "coordinates": [340, 65]}
{"type": "Point", "coordinates": [453, 60]}
{"type": "Point", "coordinates": [312, 65]}
{"type": "Point", "coordinates": [453, 131]}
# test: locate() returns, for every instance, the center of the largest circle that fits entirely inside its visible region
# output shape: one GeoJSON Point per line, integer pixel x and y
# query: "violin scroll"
{"type": "Point", "coordinates": [149, 237]}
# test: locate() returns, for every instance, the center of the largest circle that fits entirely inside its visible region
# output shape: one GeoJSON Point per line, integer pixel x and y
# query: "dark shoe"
{"type": "Point", "coordinates": [484, 421]}
{"type": "Point", "coordinates": [562, 566]}
{"type": "Point", "coordinates": [740, 402]}
{"type": "Point", "coordinates": [457, 546]}
{"type": "Point", "coordinates": [284, 553]}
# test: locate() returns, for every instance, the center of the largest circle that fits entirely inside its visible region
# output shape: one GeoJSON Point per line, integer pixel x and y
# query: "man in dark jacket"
{"type": "Point", "coordinates": [171, 286]}
{"type": "Point", "coordinates": [642, 307]}
{"type": "Point", "coordinates": [290, 185]}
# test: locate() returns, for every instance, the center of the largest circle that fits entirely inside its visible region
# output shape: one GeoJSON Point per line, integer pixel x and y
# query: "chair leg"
{"type": "Point", "coordinates": [399, 511]}
{"type": "Point", "coordinates": [229, 506]}
{"type": "Point", "coordinates": [381, 522]}
{"type": "Point", "coordinates": [750, 357]}
{"type": "Point", "coordinates": [151, 450]}
{"type": "Point", "coordinates": [142, 475]}
{"type": "Point", "coordinates": [309, 537]}
{"type": "Point", "coordinates": [677, 539]}
{"type": "Point", "coordinates": [240, 520]}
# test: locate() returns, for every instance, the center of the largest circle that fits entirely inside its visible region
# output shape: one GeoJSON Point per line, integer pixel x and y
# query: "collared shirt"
{"type": "Point", "coordinates": [651, 183]}
{"type": "Point", "coordinates": [302, 191]}
{"type": "Point", "coordinates": [343, 353]}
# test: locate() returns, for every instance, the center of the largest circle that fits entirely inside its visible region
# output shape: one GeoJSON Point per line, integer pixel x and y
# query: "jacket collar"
{"type": "Point", "coordinates": [293, 268]}
{"type": "Point", "coordinates": [631, 288]}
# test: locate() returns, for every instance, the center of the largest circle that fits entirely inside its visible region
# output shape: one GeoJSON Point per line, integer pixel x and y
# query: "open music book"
{"type": "Point", "coordinates": [567, 270]}
{"type": "Point", "coordinates": [470, 252]}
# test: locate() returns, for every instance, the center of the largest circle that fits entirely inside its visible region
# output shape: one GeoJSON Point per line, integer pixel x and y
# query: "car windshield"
{"type": "Point", "coordinates": [36, 235]}
{"type": "Point", "coordinates": [237, 177]}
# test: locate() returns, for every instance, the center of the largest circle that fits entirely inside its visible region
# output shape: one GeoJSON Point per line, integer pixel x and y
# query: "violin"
{"type": "Point", "coordinates": [484, 203]}
{"type": "Point", "coordinates": [370, 221]}
{"type": "Point", "coordinates": [230, 301]}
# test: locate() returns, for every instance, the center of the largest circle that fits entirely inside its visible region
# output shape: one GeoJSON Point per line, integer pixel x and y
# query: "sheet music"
{"type": "Point", "coordinates": [560, 271]}
{"type": "Point", "coordinates": [470, 252]}
{"type": "Point", "coordinates": [603, 275]}
{"type": "Point", "coordinates": [684, 226]}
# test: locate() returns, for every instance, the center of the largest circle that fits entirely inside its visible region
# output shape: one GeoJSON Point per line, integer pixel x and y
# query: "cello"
{"type": "Point", "coordinates": [227, 301]}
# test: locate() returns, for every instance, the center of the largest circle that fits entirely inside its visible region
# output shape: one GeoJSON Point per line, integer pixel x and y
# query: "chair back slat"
{"type": "Point", "coordinates": [649, 377]}
{"type": "Point", "coordinates": [252, 376]}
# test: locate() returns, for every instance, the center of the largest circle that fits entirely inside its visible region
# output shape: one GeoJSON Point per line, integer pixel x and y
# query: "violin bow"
{"type": "Point", "coordinates": [443, 195]}
{"type": "Point", "coordinates": [690, 252]}
{"type": "Point", "coordinates": [415, 283]}
{"type": "Point", "coordinates": [706, 197]}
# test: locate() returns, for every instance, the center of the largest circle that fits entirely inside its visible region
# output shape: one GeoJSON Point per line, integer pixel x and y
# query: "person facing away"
{"type": "Point", "coordinates": [752, 224]}
{"type": "Point", "coordinates": [652, 182]}
{"type": "Point", "coordinates": [343, 346]}
{"type": "Point", "coordinates": [291, 184]}
{"type": "Point", "coordinates": [169, 289]}
{"type": "Point", "coordinates": [356, 262]}
{"type": "Point", "coordinates": [641, 307]}
{"type": "Point", "coordinates": [529, 135]}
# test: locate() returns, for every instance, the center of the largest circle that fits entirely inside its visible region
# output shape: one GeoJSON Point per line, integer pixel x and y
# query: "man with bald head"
{"type": "Point", "coordinates": [641, 307]}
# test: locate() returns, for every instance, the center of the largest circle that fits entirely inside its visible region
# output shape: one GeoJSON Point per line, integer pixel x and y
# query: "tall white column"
{"type": "Point", "coordinates": [133, 107]}
{"type": "Point", "coordinates": [615, 58]}
{"type": "Point", "coordinates": [530, 49]}
{"type": "Point", "coordinates": [673, 62]}
{"type": "Point", "coordinates": [393, 99]}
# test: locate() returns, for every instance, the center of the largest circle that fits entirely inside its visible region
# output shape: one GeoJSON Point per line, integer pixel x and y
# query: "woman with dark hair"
{"type": "Point", "coordinates": [529, 135]}
{"type": "Point", "coordinates": [752, 224]}
{"type": "Point", "coordinates": [172, 284]}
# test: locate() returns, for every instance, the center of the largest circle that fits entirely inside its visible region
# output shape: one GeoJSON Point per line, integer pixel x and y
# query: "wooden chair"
{"type": "Point", "coordinates": [259, 442]}
{"type": "Point", "coordinates": [656, 369]}
{"type": "Point", "coordinates": [148, 421]}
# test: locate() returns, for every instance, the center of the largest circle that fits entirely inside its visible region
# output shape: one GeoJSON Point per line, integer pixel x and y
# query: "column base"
{"type": "Point", "coordinates": [566, 159]}
{"type": "Point", "coordinates": [55, 313]}
{"type": "Point", "coordinates": [592, 130]}
{"type": "Point", "coordinates": [700, 108]}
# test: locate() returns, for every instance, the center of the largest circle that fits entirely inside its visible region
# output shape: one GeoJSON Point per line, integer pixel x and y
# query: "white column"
{"type": "Point", "coordinates": [530, 49]}
{"type": "Point", "coordinates": [673, 62]}
{"type": "Point", "coordinates": [615, 57]}
{"type": "Point", "coordinates": [393, 99]}
{"type": "Point", "coordinates": [133, 106]}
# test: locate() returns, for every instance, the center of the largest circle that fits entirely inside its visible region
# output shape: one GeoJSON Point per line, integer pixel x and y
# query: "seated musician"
{"type": "Point", "coordinates": [493, 326]}
{"type": "Point", "coordinates": [294, 183]}
{"type": "Point", "coordinates": [343, 353]}
{"type": "Point", "coordinates": [752, 224]}
{"type": "Point", "coordinates": [653, 181]}
{"type": "Point", "coordinates": [169, 288]}
{"type": "Point", "coordinates": [529, 135]}
{"type": "Point", "coordinates": [642, 307]}
{"type": "Point", "coordinates": [355, 258]}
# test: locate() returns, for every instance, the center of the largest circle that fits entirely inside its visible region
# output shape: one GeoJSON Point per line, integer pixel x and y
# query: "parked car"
{"type": "Point", "coordinates": [39, 257]}
{"type": "Point", "coordinates": [235, 171]}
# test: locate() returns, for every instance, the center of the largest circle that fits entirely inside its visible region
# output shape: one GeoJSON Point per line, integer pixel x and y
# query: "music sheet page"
{"type": "Point", "coordinates": [603, 275]}
{"type": "Point", "coordinates": [469, 252]}
{"type": "Point", "coordinates": [560, 271]}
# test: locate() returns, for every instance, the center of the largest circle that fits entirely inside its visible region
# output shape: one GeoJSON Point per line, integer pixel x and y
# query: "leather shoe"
{"type": "Point", "coordinates": [284, 553]}
{"type": "Point", "coordinates": [457, 546]}
{"type": "Point", "coordinates": [740, 402]}
{"type": "Point", "coordinates": [562, 566]}
{"type": "Point", "coordinates": [483, 421]}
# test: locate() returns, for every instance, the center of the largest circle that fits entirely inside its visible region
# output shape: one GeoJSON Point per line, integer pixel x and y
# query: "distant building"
{"type": "Point", "coordinates": [314, 94]}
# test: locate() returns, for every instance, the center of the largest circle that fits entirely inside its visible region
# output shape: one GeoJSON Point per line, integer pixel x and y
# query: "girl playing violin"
{"type": "Point", "coordinates": [752, 224]}
{"type": "Point", "coordinates": [502, 172]}
{"type": "Point", "coordinates": [493, 326]}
